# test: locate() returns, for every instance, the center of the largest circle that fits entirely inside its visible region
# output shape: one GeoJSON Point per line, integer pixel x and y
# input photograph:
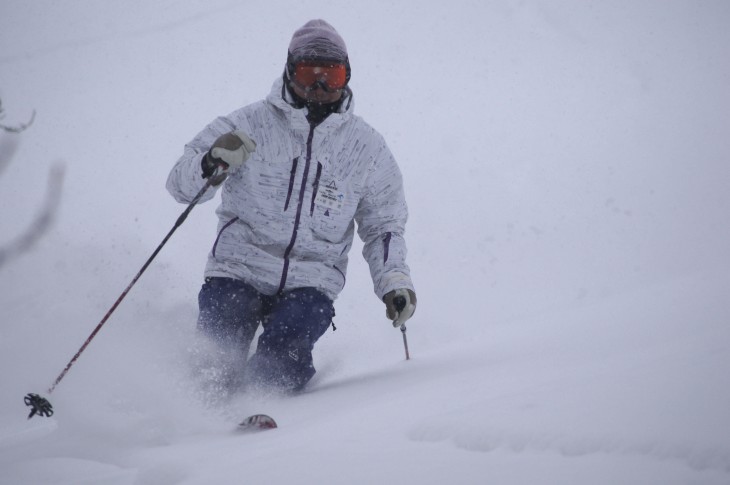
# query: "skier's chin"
{"type": "Point", "coordinates": [321, 98]}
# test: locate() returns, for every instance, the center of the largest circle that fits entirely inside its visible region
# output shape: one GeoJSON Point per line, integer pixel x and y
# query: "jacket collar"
{"type": "Point", "coordinates": [281, 99]}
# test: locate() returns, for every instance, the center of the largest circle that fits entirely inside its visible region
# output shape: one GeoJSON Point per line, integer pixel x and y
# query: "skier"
{"type": "Point", "coordinates": [297, 170]}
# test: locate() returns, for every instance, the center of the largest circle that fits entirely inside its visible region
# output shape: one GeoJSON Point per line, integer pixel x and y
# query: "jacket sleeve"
{"type": "Point", "coordinates": [381, 217]}
{"type": "Point", "coordinates": [186, 177]}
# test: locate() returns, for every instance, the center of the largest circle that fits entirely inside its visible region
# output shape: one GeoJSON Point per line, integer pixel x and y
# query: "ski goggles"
{"type": "Point", "coordinates": [328, 75]}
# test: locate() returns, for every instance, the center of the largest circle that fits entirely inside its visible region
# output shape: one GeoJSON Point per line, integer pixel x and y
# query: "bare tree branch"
{"type": "Point", "coordinates": [8, 147]}
{"type": "Point", "coordinates": [18, 128]}
{"type": "Point", "coordinates": [42, 221]}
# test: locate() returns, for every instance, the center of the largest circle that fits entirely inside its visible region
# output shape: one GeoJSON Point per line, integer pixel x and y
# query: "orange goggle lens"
{"type": "Point", "coordinates": [331, 77]}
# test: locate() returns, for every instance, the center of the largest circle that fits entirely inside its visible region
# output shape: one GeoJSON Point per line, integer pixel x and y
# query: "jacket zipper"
{"type": "Point", "coordinates": [386, 246]}
{"type": "Point", "coordinates": [344, 278]}
{"type": "Point", "coordinates": [300, 203]}
{"type": "Point", "coordinates": [291, 182]}
{"type": "Point", "coordinates": [315, 187]}
{"type": "Point", "coordinates": [215, 244]}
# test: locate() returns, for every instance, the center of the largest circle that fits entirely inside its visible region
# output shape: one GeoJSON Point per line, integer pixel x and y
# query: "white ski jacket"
{"type": "Point", "coordinates": [286, 218]}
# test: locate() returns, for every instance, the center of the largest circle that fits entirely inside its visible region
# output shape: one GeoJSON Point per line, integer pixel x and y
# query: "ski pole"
{"type": "Point", "coordinates": [40, 405]}
{"type": "Point", "coordinates": [400, 304]}
{"type": "Point", "coordinates": [405, 341]}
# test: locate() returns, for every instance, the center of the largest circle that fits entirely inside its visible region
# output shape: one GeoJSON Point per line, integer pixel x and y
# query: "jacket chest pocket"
{"type": "Point", "coordinates": [333, 211]}
{"type": "Point", "coordinates": [329, 228]}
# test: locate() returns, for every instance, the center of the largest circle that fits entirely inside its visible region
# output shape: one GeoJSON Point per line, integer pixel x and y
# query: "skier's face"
{"type": "Point", "coordinates": [318, 81]}
{"type": "Point", "coordinates": [317, 94]}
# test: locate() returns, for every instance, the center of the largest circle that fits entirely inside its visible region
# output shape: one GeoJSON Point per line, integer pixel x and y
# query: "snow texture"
{"type": "Point", "coordinates": [566, 168]}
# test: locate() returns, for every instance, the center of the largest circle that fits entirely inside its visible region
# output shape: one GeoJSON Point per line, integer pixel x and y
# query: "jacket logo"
{"type": "Point", "coordinates": [330, 198]}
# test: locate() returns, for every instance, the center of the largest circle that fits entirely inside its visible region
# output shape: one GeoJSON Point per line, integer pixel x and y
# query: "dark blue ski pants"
{"type": "Point", "coordinates": [231, 311]}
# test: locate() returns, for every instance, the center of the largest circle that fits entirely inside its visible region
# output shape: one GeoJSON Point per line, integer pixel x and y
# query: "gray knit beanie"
{"type": "Point", "coordinates": [317, 40]}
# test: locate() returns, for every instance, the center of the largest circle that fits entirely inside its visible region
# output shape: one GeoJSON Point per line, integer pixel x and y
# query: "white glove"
{"type": "Point", "coordinates": [227, 154]}
{"type": "Point", "coordinates": [400, 305]}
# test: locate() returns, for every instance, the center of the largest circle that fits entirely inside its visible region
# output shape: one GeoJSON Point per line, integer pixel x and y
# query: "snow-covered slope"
{"type": "Point", "coordinates": [566, 169]}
